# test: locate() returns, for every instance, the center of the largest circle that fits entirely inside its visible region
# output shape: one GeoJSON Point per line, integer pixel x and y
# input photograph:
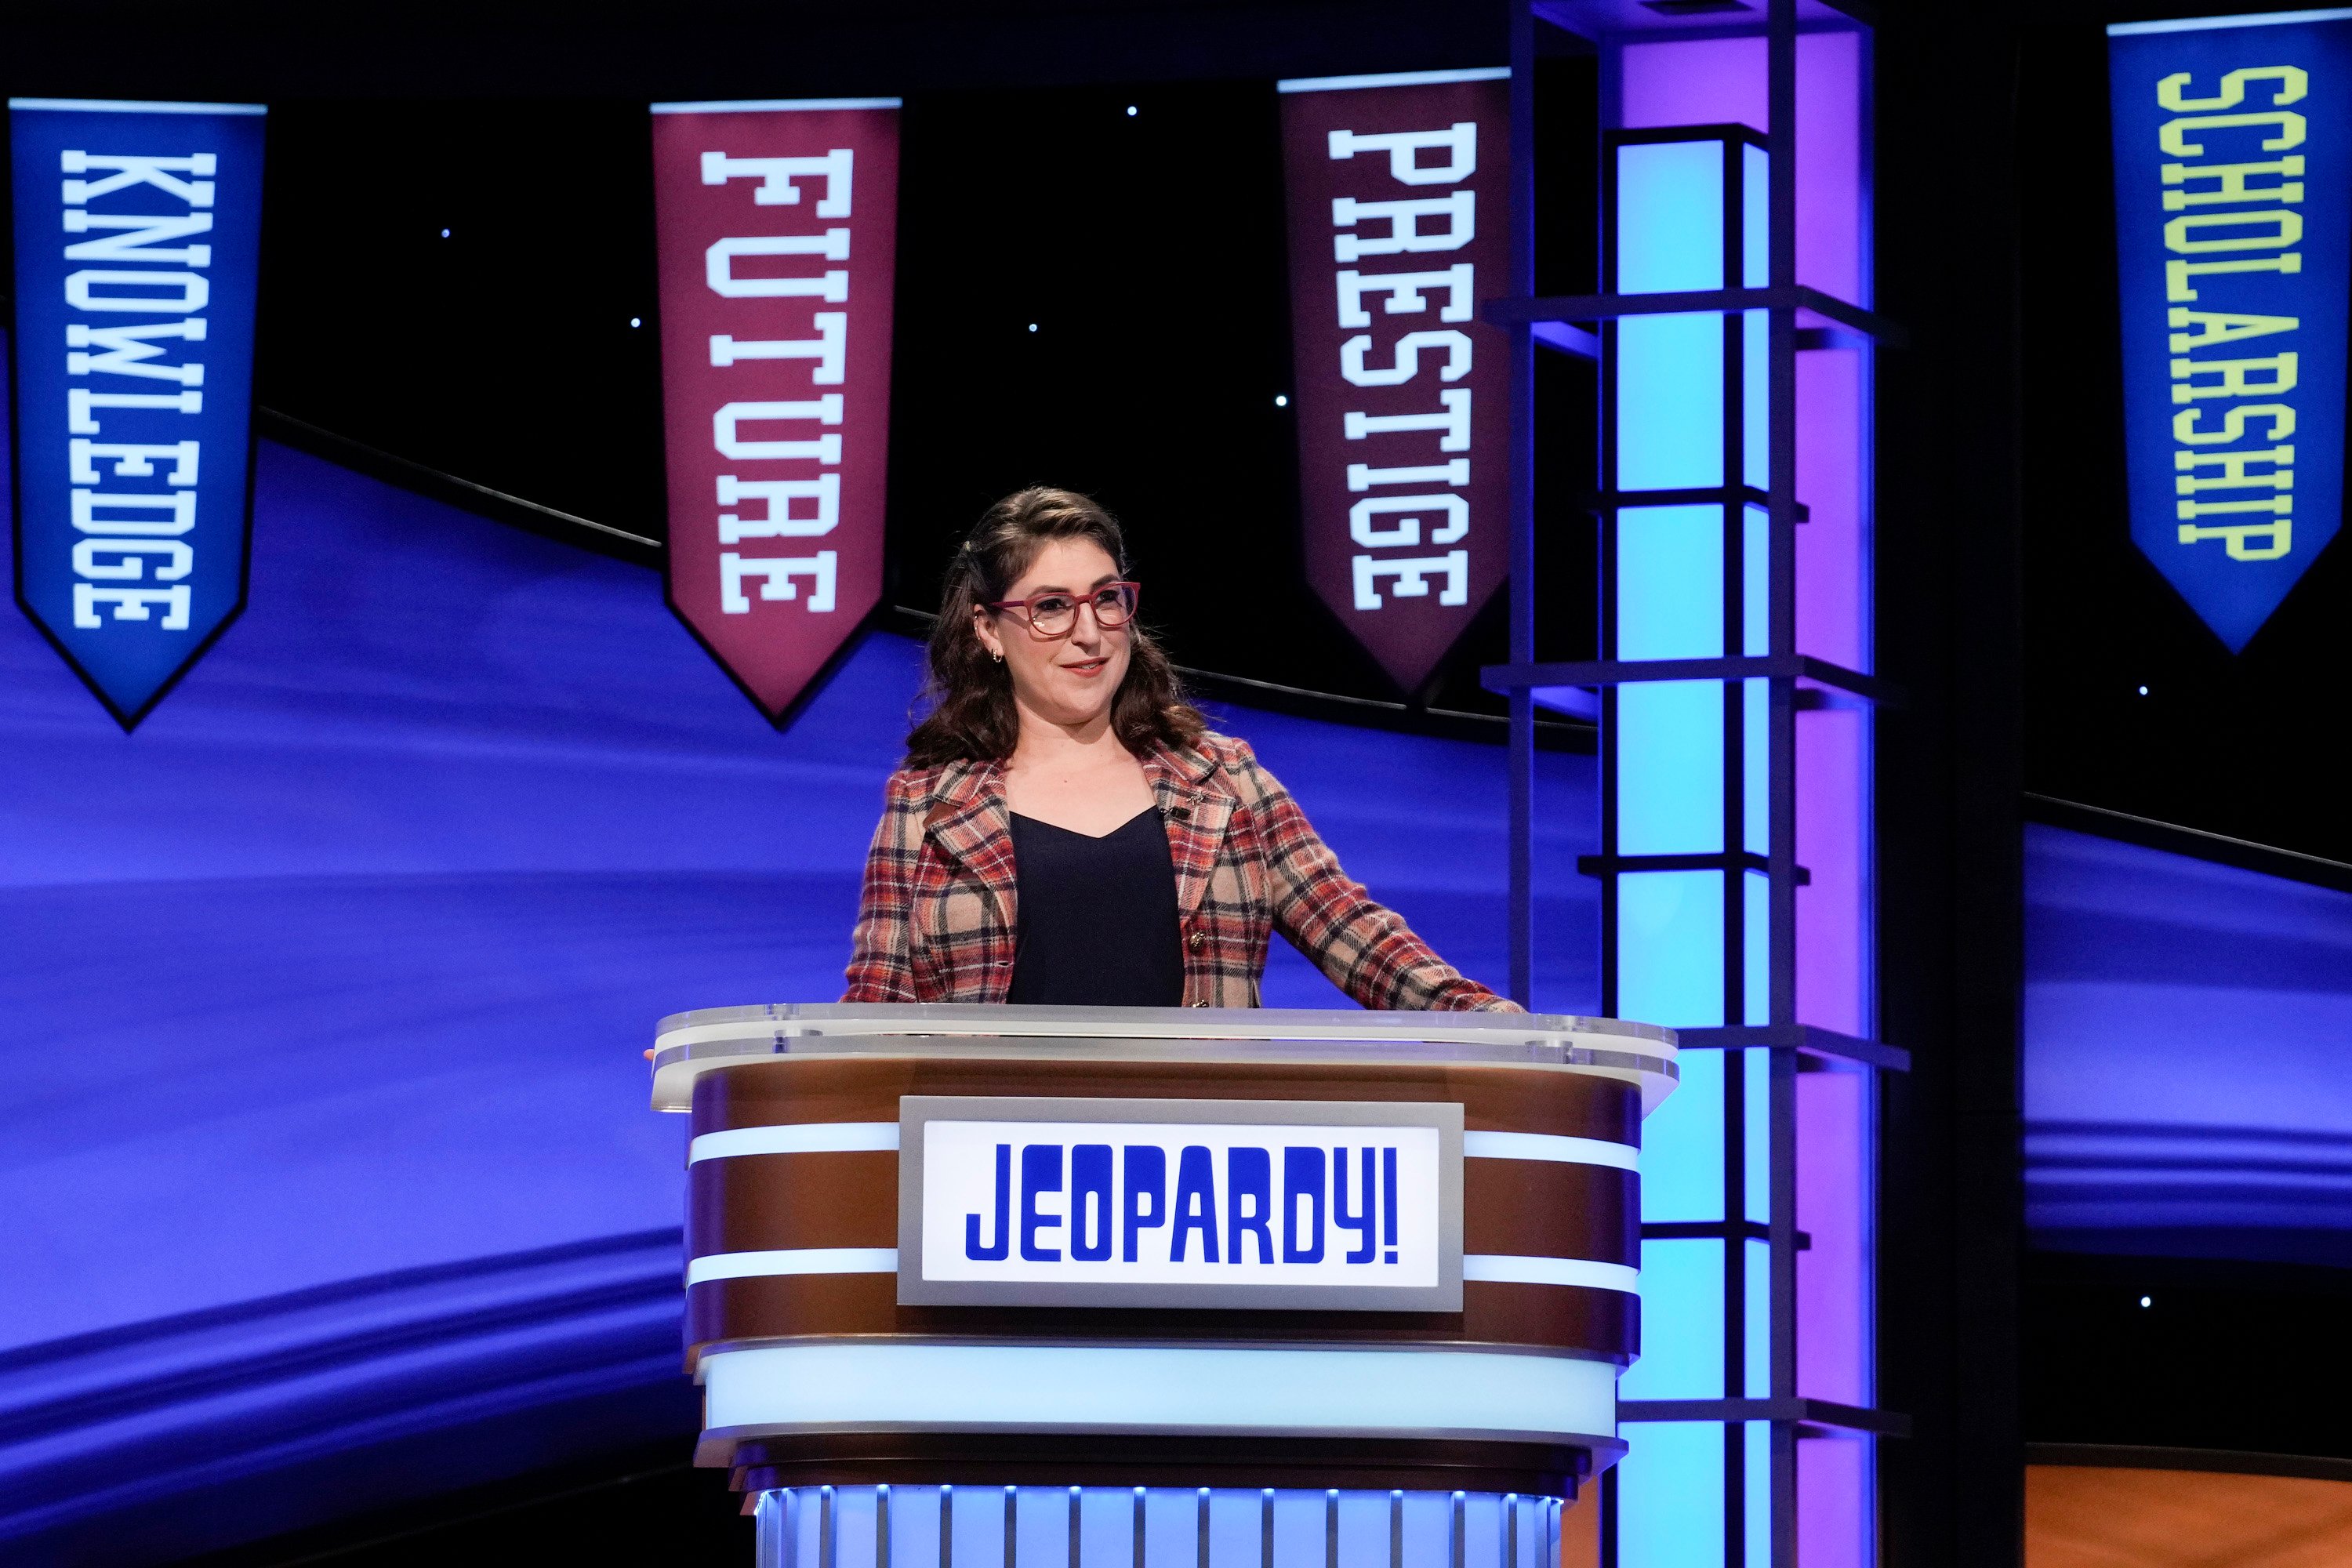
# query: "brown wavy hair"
{"type": "Point", "coordinates": [969, 695]}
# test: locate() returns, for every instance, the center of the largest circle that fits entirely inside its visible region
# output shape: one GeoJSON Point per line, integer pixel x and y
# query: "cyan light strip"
{"type": "Point", "coordinates": [1163, 1388]}
{"type": "Point", "coordinates": [799, 1138]}
{"type": "Point", "coordinates": [1505, 1269]}
{"type": "Point", "coordinates": [1551, 1147]}
{"type": "Point", "coordinates": [795, 1260]}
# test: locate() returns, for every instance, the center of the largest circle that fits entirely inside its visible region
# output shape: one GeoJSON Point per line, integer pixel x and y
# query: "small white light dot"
{"type": "Point", "coordinates": [1130, 112]}
{"type": "Point", "coordinates": [2143, 691]}
{"type": "Point", "coordinates": [445, 234]}
{"type": "Point", "coordinates": [636, 321]}
{"type": "Point", "coordinates": [1280, 401]}
{"type": "Point", "coordinates": [2147, 1301]}
{"type": "Point", "coordinates": [1033, 326]}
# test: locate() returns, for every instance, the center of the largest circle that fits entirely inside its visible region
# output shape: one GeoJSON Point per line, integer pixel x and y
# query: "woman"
{"type": "Point", "coordinates": [1067, 830]}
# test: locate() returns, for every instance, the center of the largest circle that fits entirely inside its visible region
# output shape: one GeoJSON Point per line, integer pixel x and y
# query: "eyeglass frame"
{"type": "Point", "coordinates": [1135, 602]}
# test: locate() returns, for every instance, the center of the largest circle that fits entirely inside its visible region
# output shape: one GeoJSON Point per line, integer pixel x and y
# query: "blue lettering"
{"type": "Point", "coordinates": [1359, 1222]}
{"type": "Point", "coordinates": [1302, 1181]}
{"type": "Point", "coordinates": [971, 1246]}
{"type": "Point", "coordinates": [1090, 1222]}
{"type": "Point", "coordinates": [1041, 1171]}
{"type": "Point", "coordinates": [1146, 1179]}
{"type": "Point", "coordinates": [1196, 1203]}
{"type": "Point", "coordinates": [1389, 1203]}
{"type": "Point", "coordinates": [1249, 1174]}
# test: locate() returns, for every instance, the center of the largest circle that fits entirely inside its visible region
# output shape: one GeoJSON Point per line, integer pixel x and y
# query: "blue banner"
{"type": "Point", "coordinates": [2233, 236]}
{"type": "Point", "coordinates": [138, 229]}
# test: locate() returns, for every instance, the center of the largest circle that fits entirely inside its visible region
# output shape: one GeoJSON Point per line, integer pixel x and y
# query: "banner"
{"type": "Point", "coordinates": [1399, 231]}
{"type": "Point", "coordinates": [776, 227]}
{"type": "Point", "coordinates": [138, 231]}
{"type": "Point", "coordinates": [2233, 237]}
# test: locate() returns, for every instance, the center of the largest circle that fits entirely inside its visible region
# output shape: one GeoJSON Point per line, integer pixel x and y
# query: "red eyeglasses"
{"type": "Point", "coordinates": [1056, 615]}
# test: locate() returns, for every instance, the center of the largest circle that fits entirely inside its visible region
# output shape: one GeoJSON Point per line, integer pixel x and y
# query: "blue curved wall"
{"type": "Point", "coordinates": [326, 1177]}
{"type": "Point", "coordinates": [2187, 1057]}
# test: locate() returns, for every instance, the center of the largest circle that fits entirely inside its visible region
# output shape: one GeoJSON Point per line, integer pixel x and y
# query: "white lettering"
{"type": "Point", "coordinates": [80, 402]}
{"type": "Point", "coordinates": [777, 495]}
{"type": "Point", "coordinates": [829, 348]}
{"type": "Point", "coordinates": [130, 461]}
{"type": "Point", "coordinates": [777, 572]}
{"type": "Point", "coordinates": [181, 504]}
{"type": "Point", "coordinates": [1404, 148]}
{"type": "Point", "coordinates": [727, 422]}
{"type": "Point", "coordinates": [1452, 418]}
{"type": "Point", "coordinates": [776, 177]}
{"type": "Point", "coordinates": [719, 267]}
{"type": "Point", "coordinates": [1406, 362]}
{"type": "Point", "coordinates": [195, 291]}
{"type": "Point", "coordinates": [129, 561]}
{"type": "Point", "coordinates": [134, 171]}
{"type": "Point", "coordinates": [130, 604]}
{"type": "Point", "coordinates": [1362, 517]}
{"type": "Point", "coordinates": [127, 350]}
{"type": "Point", "coordinates": [1459, 210]}
{"type": "Point", "coordinates": [143, 230]}
{"type": "Point", "coordinates": [1412, 578]}
{"type": "Point", "coordinates": [1404, 295]}
{"type": "Point", "coordinates": [1452, 471]}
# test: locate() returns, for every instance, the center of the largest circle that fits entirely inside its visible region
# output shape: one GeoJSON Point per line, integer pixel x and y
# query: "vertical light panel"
{"type": "Point", "coordinates": [1689, 822]}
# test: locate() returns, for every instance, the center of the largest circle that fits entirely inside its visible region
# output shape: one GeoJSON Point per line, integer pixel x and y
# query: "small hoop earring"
{"type": "Point", "coordinates": [998, 655]}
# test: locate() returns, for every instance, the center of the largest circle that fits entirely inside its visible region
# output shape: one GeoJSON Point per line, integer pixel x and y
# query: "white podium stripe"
{"type": "Point", "coordinates": [1551, 1147]}
{"type": "Point", "coordinates": [798, 1138]}
{"type": "Point", "coordinates": [1158, 1388]}
{"type": "Point", "coordinates": [1499, 1269]}
{"type": "Point", "coordinates": [798, 1260]}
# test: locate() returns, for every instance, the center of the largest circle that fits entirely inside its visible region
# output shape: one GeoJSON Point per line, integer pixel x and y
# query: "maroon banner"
{"type": "Point", "coordinates": [777, 226]}
{"type": "Point", "coordinates": [1399, 231]}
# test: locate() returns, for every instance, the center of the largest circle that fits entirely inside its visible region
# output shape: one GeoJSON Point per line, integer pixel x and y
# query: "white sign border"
{"type": "Point", "coordinates": [1446, 1117]}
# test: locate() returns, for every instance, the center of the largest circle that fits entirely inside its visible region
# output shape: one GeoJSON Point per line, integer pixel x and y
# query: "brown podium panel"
{"type": "Point", "coordinates": [1278, 1309]}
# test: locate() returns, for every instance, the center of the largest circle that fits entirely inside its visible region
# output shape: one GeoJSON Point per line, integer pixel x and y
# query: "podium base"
{"type": "Point", "coordinates": [1151, 1527]}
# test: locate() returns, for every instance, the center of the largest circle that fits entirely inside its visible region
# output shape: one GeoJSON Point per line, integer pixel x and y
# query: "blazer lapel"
{"type": "Point", "coordinates": [969, 821]}
{"type": "Point", "coordinates": [1196, 810]}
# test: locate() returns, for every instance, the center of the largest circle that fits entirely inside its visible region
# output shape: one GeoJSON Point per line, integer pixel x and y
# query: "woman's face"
{"type": "Point", "coordinates": [1069, 680]}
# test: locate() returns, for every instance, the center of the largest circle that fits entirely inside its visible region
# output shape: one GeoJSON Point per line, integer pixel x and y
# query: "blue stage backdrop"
{"type": "Point", "coordinates": [326, 1174]}
{"type": "Point", "coordinates": [2185, 1085]}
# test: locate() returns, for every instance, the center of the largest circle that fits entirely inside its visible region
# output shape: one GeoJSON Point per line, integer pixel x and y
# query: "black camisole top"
{"type": "Point", "coordinates": [1096, 918]}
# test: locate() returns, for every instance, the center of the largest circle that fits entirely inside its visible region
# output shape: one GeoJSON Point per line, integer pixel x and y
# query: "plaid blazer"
{"type": "Point", "coordinates": [937, 922]}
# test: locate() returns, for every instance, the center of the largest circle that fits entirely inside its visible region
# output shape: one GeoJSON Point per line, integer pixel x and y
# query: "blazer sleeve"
{"type": "Point", "coordinates": [1366, 948]}
{"type": "Point", "coordinates": [881, 963]}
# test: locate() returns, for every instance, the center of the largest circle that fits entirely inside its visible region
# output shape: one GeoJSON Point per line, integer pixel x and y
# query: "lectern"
{"type": "Point", "coordinates": [1071, 1287]}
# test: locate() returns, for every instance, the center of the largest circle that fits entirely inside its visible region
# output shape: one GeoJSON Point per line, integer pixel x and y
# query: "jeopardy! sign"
{"type": "Point", "coordinates": [136, 235]}
{"type": "Point", "coordinates": [2233, 230]}
{"type": "Point", "coordinates": [776, 231]}
{"type": "Point", "coordinates": [1399, 229]}
{"type": "Point", "coordinates": [1180, 1204]}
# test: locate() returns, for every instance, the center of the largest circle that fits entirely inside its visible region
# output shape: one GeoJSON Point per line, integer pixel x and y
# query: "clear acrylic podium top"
{"type": "Point", "coordinates": [690, 1044]}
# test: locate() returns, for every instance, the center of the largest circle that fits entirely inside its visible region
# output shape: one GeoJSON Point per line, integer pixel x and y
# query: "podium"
{"type": "Point", "coordinates": [1070, 1288]}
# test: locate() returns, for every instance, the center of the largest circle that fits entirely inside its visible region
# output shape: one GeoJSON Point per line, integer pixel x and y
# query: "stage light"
{"type": "Point", "coordinates": [1280, 401]}
{"type": "Point", "coordinates": [2147, 1301]}
{"type": "Point", "coordinates": [1033, 326]}
{"type": "Point", "coordinates": [2143, 691]}
{"type": "Point", "coordinates": [1130, 112]}
{"type": "Point", "coordinates": [445, 234]}
{"type": "Point", "coordinates": [636, 321]}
